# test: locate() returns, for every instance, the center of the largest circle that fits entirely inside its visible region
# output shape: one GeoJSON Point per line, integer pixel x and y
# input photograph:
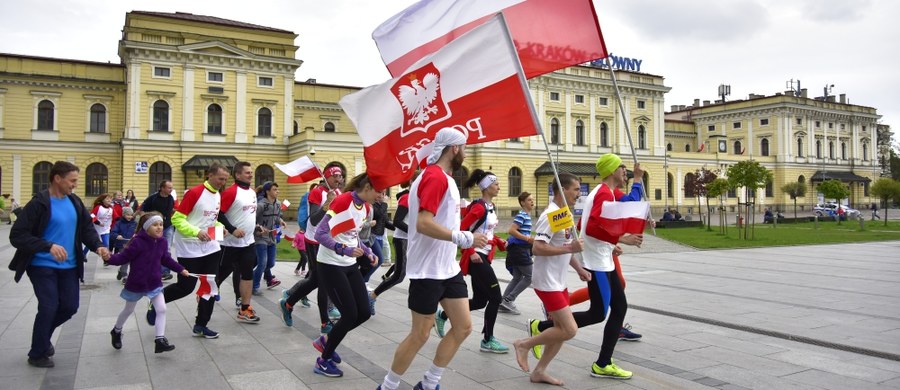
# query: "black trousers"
{"type": "Point", "coordinates": [208, 264]}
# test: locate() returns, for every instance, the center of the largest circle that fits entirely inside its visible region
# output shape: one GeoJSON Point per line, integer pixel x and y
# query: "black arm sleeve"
{"type": "Point", "coordinates": [400, 219]}
{"type": "Point", "coordinates": [226, 223]}
{"type": "Point", "coordinates": [316, 213]}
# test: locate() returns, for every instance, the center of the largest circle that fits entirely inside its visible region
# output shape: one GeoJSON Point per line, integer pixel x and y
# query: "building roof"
{"type": "Point", "coordinates": [210, 19]}
{"type": "Point", "coordinates": [56, 59]}
{"type": "Point", "coordinates": [202, 162]}
{"type": "Point", "coordinates": [847, 177]}
{"type": "Point", "coordinates": [577, 169]}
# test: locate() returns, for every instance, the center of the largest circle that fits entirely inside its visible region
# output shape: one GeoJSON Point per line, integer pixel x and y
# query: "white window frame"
{"type": "Point", "coordinates": [763, 119]}
{"type": "Point", "coordinates": [641, 104]}
{"type": "Point", "coordinates": [169, 129]}
{"type": "Point", "coordinates": [261, 85]}
{"type": "Point", "coordinates": [603, 101]}
{"type": "Point", "coordinates": [576, 99]}
{"type": "Point", "coordinates": [256, 123]}
{"type": "Point", "coordinates": [211, 72]}
{"type": "Point", "coordinates": [558, 98]}
{"type": "Point", "coordinates": [155, 76]}
{"type": "Point", "coordinates": [711, 128]}
{"type": "Point", "coordinates": [206, 119]}
{"type": "Point", "coordinates": [52, 97]}
{"type": "Point", "coordinates": [87, 127]}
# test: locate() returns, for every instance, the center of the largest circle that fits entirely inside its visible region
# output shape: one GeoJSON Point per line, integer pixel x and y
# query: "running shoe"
{"type": "Point", "coordinates": [371, 306]}
{"type": "Point", "coordinates": [439, 323]}
{"type": "Point", "coordinates": [492, 345]}
{"type": "Point", "coordinates": [627, 335]}
{"type": "Point", "coordinates": [509, 307]}
{"type": "Point", "coordinates": [326, 327]}
{"type": "Point", "coordinates": [538, 350]}
{"type": "Point", "coordinates": [116, 338]}
{"type": "Point", "coordinates": [248, 315]}
{"type": "Point", "coordinates": [270, 284]}
{"type": "Point", "coordinates": [420, 386]}
{"type": "Point", "coordinates": [610, 371]}
{"type": "Point", "coordinates": [327, 368]}
{"type": "Point", "coordinates": [202, 331]}
{"type": "Point", "coordinates": [151, 314]}
{"type": "Point", "coordinates": [286, 312]}
{"type": "Point", "coordinates": [333, 313]}
{"type": "Point", "coordinates": [305, 302]}
{"type": "Point", "coordinates": [319, 344]}
{"type": "Point", "coordinates": [257, 292]}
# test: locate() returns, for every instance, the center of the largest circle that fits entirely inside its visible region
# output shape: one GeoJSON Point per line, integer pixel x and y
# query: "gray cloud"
{"type": "Point", "coordinates": [836, 11]}
{"type": "Point", "coordinates": [691, 19]}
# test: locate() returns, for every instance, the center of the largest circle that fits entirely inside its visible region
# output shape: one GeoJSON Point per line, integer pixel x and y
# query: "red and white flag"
{"type": "Point", "coordinates": [472, 84]}
{"type": "Point", "coordinates": [216, 233]}
{"type": "Point", "coordinates": [208, 288]}
{"type": "Point", "coordinates": [285, 204]}
{"type": "Point", "coordinates": [341, 222]}
{"type": "Point", "coordinates": [548, 34]}
{"type": "Point", "coordinates": [300, 170]}
{"type": "Point", "coordinates": [618, 218]}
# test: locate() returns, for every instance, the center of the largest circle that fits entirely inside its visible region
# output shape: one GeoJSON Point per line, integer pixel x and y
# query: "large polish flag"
{"type": "Point", "coordinates": [618, 218]}
{"type": "Point", "coordinates": [473, 84]}
{"type": "Point", "coordinates": [548, 34]}
{"type": "Point", "coordinates": [300, 170]}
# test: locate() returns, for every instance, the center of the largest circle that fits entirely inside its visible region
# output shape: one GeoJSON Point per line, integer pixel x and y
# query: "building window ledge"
{"type": "Point", "coordinates": [94, 137]}
{"type": "Point", "coordinates": [218, 138]}
{"type": "Point", "coordinates": [44, 135]}
{"type": "Point", "coordinates": [263, 140]}
{"type": "Point", "coordinates": [157, 135]}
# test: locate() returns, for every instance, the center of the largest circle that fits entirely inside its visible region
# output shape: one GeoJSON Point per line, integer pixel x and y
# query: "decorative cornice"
{"type": "Point", "coordinates": [62, 84]}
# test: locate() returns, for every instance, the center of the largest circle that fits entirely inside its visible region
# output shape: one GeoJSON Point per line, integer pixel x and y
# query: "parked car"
{"type": "Point", "coordinates": [830, 210]}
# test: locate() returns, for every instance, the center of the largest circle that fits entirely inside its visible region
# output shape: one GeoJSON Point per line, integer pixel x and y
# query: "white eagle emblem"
{"type": "Point", "coordinates": [418, 98]}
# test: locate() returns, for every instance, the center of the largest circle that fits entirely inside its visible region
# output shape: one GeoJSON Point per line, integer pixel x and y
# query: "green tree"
{"type": "Point", "coordinates": [752, 176]}
{"type": "Point", "coordinates": [697, 184]}
{"type": "Point", "coordinates": [834, 189]}
{"type": "Point", "coordinates": [715, 189]}
{"type": "Point", "coordinates": [795, 190]}
{"type": "Point", "coordinates": [888, 190]}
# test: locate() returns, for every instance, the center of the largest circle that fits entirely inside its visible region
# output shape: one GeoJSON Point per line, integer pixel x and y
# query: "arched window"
{"type": "Point", "coordinates": [800, 147]}
{"type": "Point", "coordinates": [263, 174]}
{"type": "Point", "coordinates": [865, 153]}
{"type": "Point", "coordinates": [214, 119]}
{"type": "Point", "coordinates": [764, 147]}
{"type": "Point", "coordinates": [329, 127]}
{"type": "Point", "coordinates": [515, 181]}
{"type": "Point", "coordinates": [687, 147]}
{"type": "Point", "coordinates": [670, 191]}
{"type": "Point", "coordinates": [818, 149]}
{"type": "Point", "coordinates": [40, 177]}
{"type": "Point", "coordinates": [604, 135]}
{"type": "Point", "coordinates": [296, 128]}
{"type": "Point", "coordinates": [45, 115]}
{"type": "Point", "coordinates": [98, 119]}
{"type": "Point", "coordinates": [831, 149]}
{"type": "Point", "coordinates": [669, 147]}
{"type": "Point", "coordinates": [688, 189]}
{"type": "Point", "coordinates": [770, 188]}
{"type": "Point", "coordinates": [579, 133]}
{"type": "Point", "coordinates": [642, 137]}
{"type": "Point", "coordinates": [158, 172]}
{"type": "Point", "coordinates": [264, 122]}
{"type": "Point", "coordinates": [801, 179]}
{"type": "Point", "coordinates": [737, 147]}
{"type": "Point", "coordinates": [554, 131]}
{"type": "Point", "coordinates": [97, 179]}
{"type": "Point", "coordinates": [843, 150]}
{"type": "Point", "coordinates": [160, 115]}
{"type": "Point", "coordinates": [460, 176]}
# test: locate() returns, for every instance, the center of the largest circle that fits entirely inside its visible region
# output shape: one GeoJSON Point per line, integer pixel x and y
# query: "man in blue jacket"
{"type": "Point", "coordinates": [48, 237]}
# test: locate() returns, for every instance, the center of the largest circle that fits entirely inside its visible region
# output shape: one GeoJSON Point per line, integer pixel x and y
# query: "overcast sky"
{"type": "Point", "coordinates": [756, 46]}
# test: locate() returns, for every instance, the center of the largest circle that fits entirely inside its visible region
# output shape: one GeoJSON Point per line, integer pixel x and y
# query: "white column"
{"type": "Point", "coordinates": [134, 101]}
{"type": "Point", "coordinates": [679, 183]}
{"type": "Point", "coordinates": [187, 108]}
{"type": "Point", "coordinates": [659, 127]}
{"type": "Point", "coordinates": [854, 154]}
{"type": "Point", "coordinates": [751, 141]}
{"type": "Point", "coordinates": [593, 134]}
{"type": "Point", "coordinates": [811, 139]}
{"type": "Point", "coordinates": [240, 114]}
{"type": "Point", "coordinates": [288, 107]}
{"type": "Point", "coordinates": [621, 138]}
{"type": "Point", "coordinates": [17, 178]}
{"type": "Point", "coordinates": [779, 132]}
{"type": "Point", "coordinates": [536, 142]}
{"type": "Point", "coordinates": [569, 124]}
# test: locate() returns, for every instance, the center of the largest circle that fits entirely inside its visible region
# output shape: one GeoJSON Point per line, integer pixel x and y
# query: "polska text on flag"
{"type": "Point", "coordinates": [300, 170]}
{"type": "Point", "coordinates": [548, 34]}
{"type": "Point", "coordinates": [472, 84]}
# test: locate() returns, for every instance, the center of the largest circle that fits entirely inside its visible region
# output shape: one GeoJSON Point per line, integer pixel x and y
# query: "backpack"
{"type": "Point", "coordinates": [303, 211]}
{"type": "Point", "coordinates": [483, 217]}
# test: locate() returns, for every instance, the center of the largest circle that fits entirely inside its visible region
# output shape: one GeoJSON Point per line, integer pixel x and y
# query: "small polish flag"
{"type": "Point", "coordinates": [300, 170]}
{"type": "Point", "coordinates": [285, 204]}
{"type": "Point", "coordinates": [93, 217]}
{"type": "Point", "coordinates": [208, 288]}
{"type": "Point", "coordinates": [341, 222]}
{"type": "Point", "coordinates": [618, 218]}
{"type": "Point", "coordinates": [216, 233]}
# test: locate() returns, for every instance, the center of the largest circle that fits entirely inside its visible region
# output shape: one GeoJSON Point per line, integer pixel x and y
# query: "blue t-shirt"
{"type": "Point", "coordinates": [522, 219]}
{"type": "Point", "coordinates": [60, 231]}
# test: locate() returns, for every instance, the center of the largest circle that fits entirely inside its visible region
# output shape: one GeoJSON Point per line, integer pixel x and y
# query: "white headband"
{"type": "Point", "coordinates": [487, 181]}
{"type": "Point", "coordinates": [151, 221]}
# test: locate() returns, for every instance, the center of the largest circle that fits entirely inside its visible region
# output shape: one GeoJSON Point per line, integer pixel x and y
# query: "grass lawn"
{"type": "Point", "coordinates": [803, 233]}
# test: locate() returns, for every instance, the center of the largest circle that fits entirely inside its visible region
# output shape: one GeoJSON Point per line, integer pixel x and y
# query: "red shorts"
{"type": "Point", "coordinates": [553, 300]}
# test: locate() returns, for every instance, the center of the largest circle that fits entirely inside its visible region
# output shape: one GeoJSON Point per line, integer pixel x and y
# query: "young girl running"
{"type": "Point", "coordinates": [476, 261]}
{"type": "Point", "coordinates": [146, 252]}
{"type": "Point", "coordinates": [102, 216]}
{"type": "Point", "coordinates": [338, 271]}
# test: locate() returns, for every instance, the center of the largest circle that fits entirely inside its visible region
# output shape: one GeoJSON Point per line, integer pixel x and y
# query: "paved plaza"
{"type": "Point", "coordinates": [809, 317]}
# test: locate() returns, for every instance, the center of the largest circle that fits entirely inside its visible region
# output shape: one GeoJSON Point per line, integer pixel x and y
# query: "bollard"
{"type": "Point", "coordinates": [816, 221]}
{"type": "Point", "coordinates": [862, 223]}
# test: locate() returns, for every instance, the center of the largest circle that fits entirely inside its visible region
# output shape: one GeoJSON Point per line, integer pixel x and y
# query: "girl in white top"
{"type": "Point", "coordinates": [102, 216]}
{"type": "Point", "coordinates": [552, 258]}
{"type": "Point", "coordinates": [339, 274]}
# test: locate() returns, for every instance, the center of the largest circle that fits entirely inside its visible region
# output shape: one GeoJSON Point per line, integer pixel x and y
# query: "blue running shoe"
{"type": "Point", "coordinates": [627, 335]}
{"type": "Point", "coordinates": [319, 344]}
{"type": "Point", "coordinates": [333, 313]}
{"type": "Point", "coordinates": [371, 306]}
{"type": "Point", "coordinates": [285, 312]}
{"type": "Point", "coordinates": [420, 386]}
{"type": "Point", "coordinates": [439, 323]}
{"type": "Point", "coordinates": [202, 331]}
{"type": "Point", "coordinates": [327, 368]}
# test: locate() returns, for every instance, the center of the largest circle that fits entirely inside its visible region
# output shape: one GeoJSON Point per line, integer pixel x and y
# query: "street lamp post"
{"type": "Point", "coordinates": [666, 168]}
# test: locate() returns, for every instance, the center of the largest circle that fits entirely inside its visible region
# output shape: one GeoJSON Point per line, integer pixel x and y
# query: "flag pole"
{"type": "Point", "coordinates": [537, 124]}
{"type": "Point", "coordinates": [644, 193]}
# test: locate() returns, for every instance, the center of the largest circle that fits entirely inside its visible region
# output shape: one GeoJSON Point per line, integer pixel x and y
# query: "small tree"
{"type": "Point", "coordinates": [697, 184]}
{"type": "Point", "coordinates": [794, 190]}
{"type": "Point", "coordinates": [752, 176]}
{"type": "Point", "coordinates": [834, 189]}
{"type": "Point", "coordinates": [717, 188]}
{"type": "Point", "coordinates": [887, 190]}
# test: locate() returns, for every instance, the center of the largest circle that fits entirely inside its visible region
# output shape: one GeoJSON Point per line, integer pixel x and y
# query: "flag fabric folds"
{"type": "Point", "coordinates": [472, 84]}
{"type": "Point", "coordinates": [300, 170]}
{"type": "Point", "coordinates": [216, 233]}
{"type": "Point", "coordinates": [285, 204]}
{"type": "Point", "coordinates": [208, 288]}
{"type": "Point", "coordinates": [618, 218]}
{"type": "Point", "coordinates": [548, 34]}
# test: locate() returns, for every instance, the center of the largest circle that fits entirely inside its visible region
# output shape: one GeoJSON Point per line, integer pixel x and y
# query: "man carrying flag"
{"type": "Point", "coordinates": [197, 251]}
{"type": "Point", "coordinates": [434, 275]}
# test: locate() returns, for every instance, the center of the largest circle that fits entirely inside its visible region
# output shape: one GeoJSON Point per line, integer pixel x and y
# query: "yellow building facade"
{"type": "Point", "coordinates": [193, 89]}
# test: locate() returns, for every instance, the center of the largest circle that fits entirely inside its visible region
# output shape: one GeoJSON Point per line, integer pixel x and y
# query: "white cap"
{"type": "Point", "coordinates": [447, 136]}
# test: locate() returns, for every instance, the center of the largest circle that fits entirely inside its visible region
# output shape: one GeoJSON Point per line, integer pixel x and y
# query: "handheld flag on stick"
{"type": "Point", "coordinates": [285, 204]}
{"type": "Point", "coordinates": [208, 288]}
{"type": "Point", "coordinates": [300, 170]}
{"type": "Point", "coordinates": [216, 233]}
